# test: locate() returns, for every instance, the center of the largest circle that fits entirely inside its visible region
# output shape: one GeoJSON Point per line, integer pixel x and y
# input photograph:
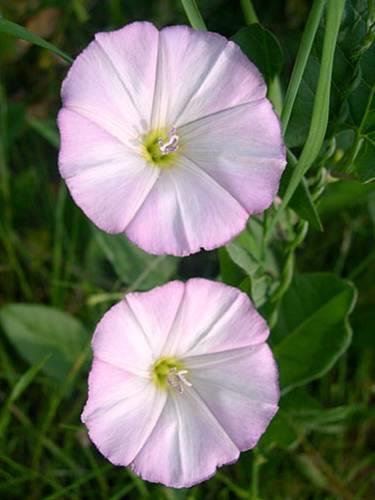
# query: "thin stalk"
{"type": "Point", "coordinates": [275, 94]}
{"type": "Point", "coordinates": [319, 120]}
{"type": "Point", "coordinates": [193, 14]}
{"type": "Point", "coordinates": [301, 60]}
{"type": "Point", "coordinates": [249, 12]}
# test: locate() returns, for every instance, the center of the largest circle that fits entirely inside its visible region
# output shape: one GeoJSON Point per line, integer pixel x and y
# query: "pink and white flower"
{"type": "Point", "coordinates": [182, 381]}
{"type": "Point", "coordinates": [168, 136]}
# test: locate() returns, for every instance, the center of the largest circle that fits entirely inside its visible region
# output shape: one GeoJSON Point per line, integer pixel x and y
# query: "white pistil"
{"type": "Point", "coordinates": [171, 145]}
{"type": "Point", "coordinates": [177, 379]}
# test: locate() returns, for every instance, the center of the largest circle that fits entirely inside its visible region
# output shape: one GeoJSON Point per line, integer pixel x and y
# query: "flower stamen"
{"type": "Point", "coordinates": [171, 144]}
{"type": "Point", "coordinates": [177, 379]}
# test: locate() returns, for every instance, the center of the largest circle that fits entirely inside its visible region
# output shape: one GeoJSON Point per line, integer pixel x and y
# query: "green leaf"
{"type": "Point", "coordinates": [283, 431]}
{"type": "Point", "coordinates": [312, 331]}
{"type": "Point", "coordinates": [262, 48]}
{"type": "Point", "coordinates": [245, 252]}
{"type": "Point", "coordinates": [340, 196]}
{"type": "Point", "coordinates": [364, 162]}
{"type": "Point", "coordinates": [18, 31]}
{"type": "Point", "coordinates": [37, 330]}
{"type": "Point", "coordinates": [362, 118]}
{"type": "Point", "coordinates": [132, 265]}
{"type": "Point", "coordinates": [230, 272]}
{"type": "Point", "coordinates": [301, 202]}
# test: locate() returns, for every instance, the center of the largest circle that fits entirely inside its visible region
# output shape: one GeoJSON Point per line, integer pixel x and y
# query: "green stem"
{"type": "Point", "coordinates": [249, 12]}
{"type": "Point", "coordinates": [301, 60]}
{"type": "Point", "coordinates": [193, 14]}
{"type": "Point", "coordinates": [275, 94]}
{"type": "Point", "coordinates": [319, 120]}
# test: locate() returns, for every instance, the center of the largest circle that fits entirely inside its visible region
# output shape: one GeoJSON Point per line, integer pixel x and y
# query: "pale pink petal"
{"type": "Point", "coordinates": [121, 412]}
{"type": "Point", "coordinates": [156, 311]}
{"type": "Point", "coordinates": [179, 435]}
{"type": "Point", "coordinates": [200, 73]}
{"type": "Point", "coordinates": [120, 341]}
{"type": "Point", "coordinates": [111, 193]}
{"type": "Point", "coordinates": [240, 387]}
{"type": "Point", "coordinates": [186, 446]}
{"type": "Point", "coordinates": [84, 145]}
{"type": "Point", "coordinates": [186, 210]}
{"type": "Point", "coordinates": [214, 317]}
{"type": "Point", "coordinates": [242, 149]}
{"type": "Point", "coordinates": [112, 81]}
{"type": "Point", "coordinates": [133, 51]}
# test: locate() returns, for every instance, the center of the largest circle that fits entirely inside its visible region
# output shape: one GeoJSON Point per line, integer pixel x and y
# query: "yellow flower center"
{"type": "Point", "coordinates": [169, 372]}
{"type": "Point", "coordinates": [160, 147]}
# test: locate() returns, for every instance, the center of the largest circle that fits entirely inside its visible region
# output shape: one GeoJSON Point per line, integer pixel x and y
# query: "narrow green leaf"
{"type": "Point", "coordinates": [319, 120]}
{"type": "Point", "coordinates": [18, 31]}
{"type": "Point", "coordinates": [20, 386]}
{"type": "Point", "coordinates": [301, 60]}
{"type": "Point", "coordinates": [47, 129]}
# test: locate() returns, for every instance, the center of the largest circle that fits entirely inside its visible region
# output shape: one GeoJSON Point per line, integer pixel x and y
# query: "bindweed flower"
{"type": "Point", "coordinates": [181, 382]}
{"type": "Point", "coordinates": [167, 136]}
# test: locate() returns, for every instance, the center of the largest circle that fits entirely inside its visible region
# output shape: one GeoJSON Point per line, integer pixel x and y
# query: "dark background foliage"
{"type": "Point", "coordinates": [58, 273]}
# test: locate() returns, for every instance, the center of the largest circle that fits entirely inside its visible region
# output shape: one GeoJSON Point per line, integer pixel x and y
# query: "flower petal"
{"type": "Point", "coordinates": [156, 311]}
{"type": "Point", "coordinates": [112, 81]}
{"type": "Point", "coordinates": [186, 446]}
{"type": "Point", "coordinates": [84, 145]}
{"type": "Point", "coordinates": [111, 193]}
{"type": "Point", "coordinates": [214, 317]}
{"type": "Point", "coordinates": [200, 73]}
{"type": "Point", "coordinates": [242, 149]}
{"type": "Point", "coordinates": [241, 389]}
{"type": "Point", "coordinates": [120, 341]}
{"type": "Point", "coordinates": [186, 211]}
{"type": "Point", "coordinates": [121, 411]}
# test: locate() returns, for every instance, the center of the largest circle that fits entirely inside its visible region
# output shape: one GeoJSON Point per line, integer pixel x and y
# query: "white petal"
{"type": "Point", "coordinates": [186, 210]}
{"type": "Point", "coordinates": [156, 311]}
{"type": "Point", "coordinates": [240, 387]}
{"type": "Point", "coordinates": [187, 444]}
{"type": "Point", "coordinates": [242, 149]}
{"type": "Point", "coordinates": [198, 74]}
{"type": "Point", "coordinates": [214, 317]}
{"type": "Point", "coordinates": [121, 412]}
